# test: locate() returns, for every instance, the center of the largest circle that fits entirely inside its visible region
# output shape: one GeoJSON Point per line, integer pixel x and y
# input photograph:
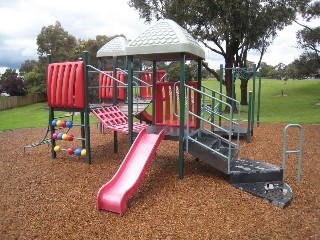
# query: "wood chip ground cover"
{"type": "Point", "coordinates": [45, 198]}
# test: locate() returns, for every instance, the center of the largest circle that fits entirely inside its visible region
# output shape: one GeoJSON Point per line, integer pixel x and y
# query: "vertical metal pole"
{"type": "Point", "coordinates": [115, 102]}
{"type": "Point", "coordinates": [253, 95]}
{"type": "Point", "coordinates": [300, 154]}
{"type": "Point", "coordinates": [259, 95]}
{"type": "Point", "coordinates": [51, 117]}
{"type": "Point", "coordinates": [213, 102]}
{"type": "Point", "coordinates": [220, 104]}
{"type": "Point", "coordinates": [249, 117]}
{"type": "Point", "coordinates": [154, 82]}
{"type": "Point", "coordinates": [130, 100]}
{"type": "Point", "coordinates": [86, 107]}
{"type": "Point", "coordinates": [232, 94]}
{"type": "Point", "coordinates": [182, 110]}
{"type": "Point", "coordinates": [199, 86]}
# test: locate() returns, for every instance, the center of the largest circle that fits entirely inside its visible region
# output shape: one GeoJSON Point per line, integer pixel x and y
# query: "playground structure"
{"type": "Point", "coordinates": [179, 112]}
{"type": "Point", "coordinates": [253, 114]}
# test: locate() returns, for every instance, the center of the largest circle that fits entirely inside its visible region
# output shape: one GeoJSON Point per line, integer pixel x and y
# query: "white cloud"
{"type": "Point", "coordinates": [22, 22]}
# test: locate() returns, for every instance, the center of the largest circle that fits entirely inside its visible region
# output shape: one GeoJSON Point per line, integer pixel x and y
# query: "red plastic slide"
{"type": "Point", "coordinates": [113, 196]}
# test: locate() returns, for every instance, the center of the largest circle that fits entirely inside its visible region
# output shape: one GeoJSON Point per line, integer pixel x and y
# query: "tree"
{"type": "Point", "coordinates": [174, 72]}
{"type": "Point", "coordinates": [27, 66]}
{"type": "Point", "coordinates": [92, 46]}
{"type": "Point", "coordinates": [53, 40]}
{"type": "Point", "coordinates": [35, 82]}
{"type": "Point", "coordinates": [265, 68]}
{"type": "Point", "coordinates": [307, 65]}
{"type": "Point", "coordinates": [309, 38]}
{"type": "Point", "coordinates": [56, 41]}
{"type": "Point", "coordinates": [12, 83]}
{"type": "Point", "coordinates": [228, 28]}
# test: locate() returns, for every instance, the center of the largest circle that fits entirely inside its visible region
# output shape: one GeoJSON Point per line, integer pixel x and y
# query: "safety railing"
{"type": "Point", "coordinates": [299, 151]}
{"type": "Point", "coordinates": [227, 130]}
{"type": "Point", "coordinates": [120, 84]}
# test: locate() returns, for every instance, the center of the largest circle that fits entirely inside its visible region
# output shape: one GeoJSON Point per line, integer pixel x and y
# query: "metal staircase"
{"type": "Point", "coordinates": [220, 151]}
{"type": "Point", "coordinates": [261, 179]}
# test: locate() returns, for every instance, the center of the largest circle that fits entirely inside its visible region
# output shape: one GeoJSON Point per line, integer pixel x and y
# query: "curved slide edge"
{"type": "Point", "coordinates": [113, 196]}
{"type": "Point", "coordinates": [144, 116]}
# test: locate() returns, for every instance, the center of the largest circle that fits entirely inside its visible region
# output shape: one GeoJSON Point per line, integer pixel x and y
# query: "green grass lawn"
{"type": "Point", "coordinates": [297, 105]}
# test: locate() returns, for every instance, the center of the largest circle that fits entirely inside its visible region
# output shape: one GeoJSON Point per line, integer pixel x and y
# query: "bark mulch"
{"type": "Point", "coordinates": [45, 198]}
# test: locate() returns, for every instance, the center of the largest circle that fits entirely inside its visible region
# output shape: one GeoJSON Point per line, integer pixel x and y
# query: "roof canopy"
{"type": "Point", "coordinates": [165, 40]}
{"type": "Point", "coordinates": [114, 47]}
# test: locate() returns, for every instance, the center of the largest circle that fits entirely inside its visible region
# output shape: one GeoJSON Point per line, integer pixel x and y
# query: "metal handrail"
{"type": "Point", "coordinates": [228, 131]}
{"type": "Point", "coordinates": [238, 106]}
{"type": "Point", "coordinates": [106, 74]}
{"type": "Point", "coordinates": [116, 80]}
{"type": "Point", "coordinates": [299, 151]}
{"type": "Point", "coordinates": [174, 99]}
{"type": "Point", "coordinates": [138, 79]}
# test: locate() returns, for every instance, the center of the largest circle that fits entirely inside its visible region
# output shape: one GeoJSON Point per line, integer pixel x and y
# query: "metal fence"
{"type": "Point", "coordinates": [20, 101]}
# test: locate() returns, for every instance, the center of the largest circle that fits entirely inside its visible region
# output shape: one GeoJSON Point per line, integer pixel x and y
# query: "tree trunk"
{"type": "Point", "coordinates": [231, 50]}
{"type": "Point", "coordinates": [244, 92]}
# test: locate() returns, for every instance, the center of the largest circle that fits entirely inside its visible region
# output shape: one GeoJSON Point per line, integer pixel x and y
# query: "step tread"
{"type": "Point", "coordinates": [278, 193]}
{"type": "Point", "coordinates": [245, 170]}
{"type": "Point", "coordinates": [248, 165]}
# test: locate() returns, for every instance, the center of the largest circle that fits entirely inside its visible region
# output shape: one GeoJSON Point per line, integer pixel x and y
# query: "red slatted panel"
{"type": "Point", "coordinates": [164, 104]}
{"type": "Point", "coordinates": [121, 89]}
{"type": "Point", "coordinates": [146, 92]}
{"type": "Point", "coordinates": [106, 86]}
{"type": "Point", "coordinates": [160, 75]}
{"type": "Point", "coordinates": [115, 120]}
{"type": "Point", "coordinates": [65, 86]}
{"type": "Point", "coordinates": [64, 97]}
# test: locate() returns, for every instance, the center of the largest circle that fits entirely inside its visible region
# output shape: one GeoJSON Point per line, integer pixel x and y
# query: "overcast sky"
{"type": "Point", "coordinates": [22, 20]}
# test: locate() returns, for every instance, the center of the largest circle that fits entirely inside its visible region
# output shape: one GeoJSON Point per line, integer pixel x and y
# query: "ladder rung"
{"type": "Point", "coordinates": [298, 151]}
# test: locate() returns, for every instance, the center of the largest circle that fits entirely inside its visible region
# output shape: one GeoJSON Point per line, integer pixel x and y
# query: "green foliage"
{"type": "Point", "coordinates": [174, 72]}
{"type": "Point", "coordinates": [228, 28]}
{"type": "Point", "coordinates": [36, 81]}
{"type": "Point", "coordinates": [265, 68]}
{"type": "Point", "coordinates": [27, 66]}
{"type": "Point", "coordinates": [12, 83]}
{"type": "Point", "coordinates": [91, 46]}
{"type": "Point", "coordinates": [273, 73]}
{"type": "Point", "coordinates": [307, 65]}
{"type": "Point", "coordinates": [56, 41]}
{"type": "Point", "coordinates": [309, 40]}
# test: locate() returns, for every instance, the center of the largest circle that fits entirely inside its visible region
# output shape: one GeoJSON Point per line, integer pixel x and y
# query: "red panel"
{"type": "Point", "coordinates": [120, 76]}
{"type": "Point", "coordinates": [71, 85]}
{"type": "Point", "coordinates": [49, 79]}
{"type": "Point", "coordinates": [160, 75]}
{"type": "Point", "coordinates": [66, 85]}
{"type": "Point", "coordinates": [146, 91]}
{"type": "Point", "coordinates": [106, 85]}
{"type": "Point", "coordinates": [101, 84]}
{"type": "Point", "coordinates": [164, 104]}
{"type": "Point", "coordinates": [59, 85]}
{"type": "Point", "coordinates": [147, 77]}
{"type": "Point", "coordinates": [79, 99]}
